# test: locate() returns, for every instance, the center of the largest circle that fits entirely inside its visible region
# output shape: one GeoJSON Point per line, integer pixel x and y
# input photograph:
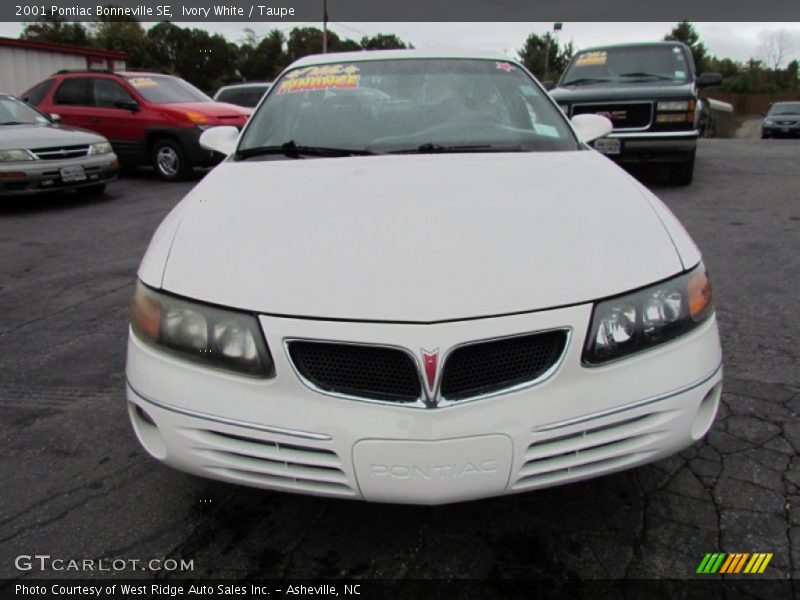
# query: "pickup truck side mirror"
{"type": "Point", "coordinates": [131, 105]}
{"type": "Point", "coordinates": [548, 85]}
{"type": "Point", "coordinates": [709, 79]}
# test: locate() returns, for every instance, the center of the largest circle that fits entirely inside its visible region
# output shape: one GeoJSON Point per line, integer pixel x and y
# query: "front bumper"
{"type": "Point", "coordinates": [650, 147]}
{"type": "Point", "coordinates": [787, 131]}
{"type": "Point", "coordinates": [278, 434]}
{"type": "Point", "coordinates": [36, 177]}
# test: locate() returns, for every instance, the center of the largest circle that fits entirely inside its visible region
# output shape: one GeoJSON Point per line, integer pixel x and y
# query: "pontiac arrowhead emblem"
{"type": "Point", "coordinates": [431, 360]}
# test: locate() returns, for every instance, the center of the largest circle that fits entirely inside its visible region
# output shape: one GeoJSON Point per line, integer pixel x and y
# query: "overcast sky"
{"type": "Point", "coordinates": [739, 41]}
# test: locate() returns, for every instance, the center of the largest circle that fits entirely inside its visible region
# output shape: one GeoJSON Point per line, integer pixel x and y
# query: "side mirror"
{"type": "Point", "coordinates": [709, 79]}
{"type": "Point", "coordinates": [548, 85]}
{"type": "Point", "coordinates": [220, 139]}
{"type": "Point", "coordinates": [55, 118]}
{"type": "Point", "coordinates": [591, 127]}
{"type": "Point", "coordinates": [131, 105]}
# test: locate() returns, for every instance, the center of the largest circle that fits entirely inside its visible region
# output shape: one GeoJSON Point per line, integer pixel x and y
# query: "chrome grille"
{"type": "Point", "coordinates": [493, 366]}
{"type": "Point", "coordinates": [61, 152]}
{"type": "Point", "coordinates": [358, 370]}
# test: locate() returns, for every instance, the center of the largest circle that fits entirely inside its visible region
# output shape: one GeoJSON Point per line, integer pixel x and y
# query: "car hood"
{"type": "Point", "coordinates": [211, 109]}
{"type": "Point", "coordinates": [601, 92]}
{"type": "Point", "coordinates": [420, 238]}
{"type": "Point", "coordinates": [16, 137]}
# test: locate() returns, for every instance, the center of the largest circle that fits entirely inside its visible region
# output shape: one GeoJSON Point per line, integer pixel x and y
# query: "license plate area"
{"type": "Point", "coordinates": [608, 146]}
{"type": "Point", "coordinates": [72, 174]}
{"type": "Point", "coordinates": [433, 472]}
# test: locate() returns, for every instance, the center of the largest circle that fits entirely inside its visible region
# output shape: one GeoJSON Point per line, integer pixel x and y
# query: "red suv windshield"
{"type": "Point", "coordinates": [163, 89]}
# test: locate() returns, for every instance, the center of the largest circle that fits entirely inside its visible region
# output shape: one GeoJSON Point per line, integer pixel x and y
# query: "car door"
{"type": "Point", "coordinates": [118, 114]}
{"type": "Point", "coordinates": [72, 100]}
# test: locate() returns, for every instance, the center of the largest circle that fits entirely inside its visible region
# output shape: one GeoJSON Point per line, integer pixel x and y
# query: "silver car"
{"type": "Point", "coordinates": [39, 155]}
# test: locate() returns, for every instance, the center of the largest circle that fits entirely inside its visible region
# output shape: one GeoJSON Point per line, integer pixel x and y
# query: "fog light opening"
{"type": "Point", "coordinates": [147, 431]}
{"type": "Point", "coordinates": [706, 412]}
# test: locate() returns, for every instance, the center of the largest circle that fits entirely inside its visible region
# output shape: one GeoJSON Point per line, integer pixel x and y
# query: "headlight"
{"type": "Point", "coordinates": [100, 148]}
{"type": "Point", "coordinates": [649, 317]}
{"type": "Point", "coordinates": [15, 155]}
{"type": "Point", "coordinates": [215, 337]}
{"type": "Point", "coordinates": [675, 105]}
{"type": "Point", "coordinates": [769, 122]}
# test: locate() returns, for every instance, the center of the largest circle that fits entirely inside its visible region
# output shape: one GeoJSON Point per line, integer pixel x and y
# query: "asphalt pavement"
{"type": "Point", "coordinates": [76, 484]}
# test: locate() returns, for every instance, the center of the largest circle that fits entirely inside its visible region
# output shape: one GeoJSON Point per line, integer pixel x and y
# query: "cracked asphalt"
{"type": "Point", "coordinates": [76, 484]}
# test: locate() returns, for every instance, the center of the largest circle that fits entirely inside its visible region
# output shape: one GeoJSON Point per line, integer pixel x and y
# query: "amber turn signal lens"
{"type": "Point", "coordinates": [145, 314]}
{"type": "Point", "coordinates": [698, 289]}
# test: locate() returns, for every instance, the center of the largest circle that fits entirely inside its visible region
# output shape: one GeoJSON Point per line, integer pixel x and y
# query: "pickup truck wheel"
{"type": "Point", "coordinates": [683, 173]}
{"type": "Point", "coordinates": [169, 160]}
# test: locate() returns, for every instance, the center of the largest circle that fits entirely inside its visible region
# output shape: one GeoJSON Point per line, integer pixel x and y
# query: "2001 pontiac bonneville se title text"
{"type": "Point", "coordinates": [161, 11]}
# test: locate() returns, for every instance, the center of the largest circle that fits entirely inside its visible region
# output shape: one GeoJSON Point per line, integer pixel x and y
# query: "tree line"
{"type": "Point", "coordinates": [209, 60]}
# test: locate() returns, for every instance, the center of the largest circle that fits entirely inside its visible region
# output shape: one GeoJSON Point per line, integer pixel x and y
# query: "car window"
{"type": "Point", "coordinates": [108, 92]}
{"type": "Point", "coordinates": [399, 105]}
{"type": "Point", "coordinates": [164, 89]}
{"type": "Point", "coordinates": [37, 93]}
{"type": "Point", "coordinates": [230, 95]}
{"type": "Point", "coordinates": [15, 112]}
{"type": "Point", "coordinates": [75, 91]}
{"type": "Point", "coordinates": [625, 64]}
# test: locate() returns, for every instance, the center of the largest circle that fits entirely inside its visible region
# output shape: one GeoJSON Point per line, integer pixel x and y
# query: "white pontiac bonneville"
{"type": "Point", "coordinates": [412, 281]}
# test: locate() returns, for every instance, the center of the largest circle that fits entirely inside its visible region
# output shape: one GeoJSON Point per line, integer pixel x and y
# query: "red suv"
{"type": "Point", "coordinates": [149, 118]}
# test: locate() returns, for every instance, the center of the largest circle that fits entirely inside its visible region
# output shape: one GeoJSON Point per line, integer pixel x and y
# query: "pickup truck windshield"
{"type": "Point", "coordinates": [628, 64]}
{"type": "Point", "coordinates": [406, 106]}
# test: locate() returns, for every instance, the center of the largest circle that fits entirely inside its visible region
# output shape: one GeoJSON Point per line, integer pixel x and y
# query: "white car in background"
{"type": "Point", "coordinates": [412, 281]}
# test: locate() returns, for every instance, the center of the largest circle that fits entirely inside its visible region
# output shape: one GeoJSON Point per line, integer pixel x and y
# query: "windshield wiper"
{"type": "Point", "coordinates": [293, 150]}
{"type": "Point", "coordinates": [647, 75]}
{"type": "Point", "coordinates": [431, 148]}
{"type": "Point", "coordinates": [585, 80]}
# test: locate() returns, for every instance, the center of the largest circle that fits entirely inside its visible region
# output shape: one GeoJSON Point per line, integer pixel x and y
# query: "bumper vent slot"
{"type": "Point", "coordinates": [362, 371]}
{"type": "Point", "coordinates": [270, 462]}
{"type": "Point", "coordinates": [590, 451]}
{"type": "Point", "coordinates": [497, 365]}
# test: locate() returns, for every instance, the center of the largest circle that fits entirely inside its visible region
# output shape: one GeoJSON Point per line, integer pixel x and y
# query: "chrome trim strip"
{"type": "Point", "coordinates": [647, 102]}
{"type": "Point", "coordinates": [421, 402]}
{"type": "Point", "coordinates": [655, 134]}
{"type": "Point", "coordinates": [443, 401]}
{"type": "Point", "coordinates": [630, 406]}
{"type": "Point", "coordinates": [233, 422]}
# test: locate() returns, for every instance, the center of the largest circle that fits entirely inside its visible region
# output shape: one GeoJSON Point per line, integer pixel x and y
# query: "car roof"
{"type": "Point", "coordinates": [362, 55]}
{"type": "Point", "coordinates": [245, 84]}
{"type": "Point", "coordinates": [632, 45]}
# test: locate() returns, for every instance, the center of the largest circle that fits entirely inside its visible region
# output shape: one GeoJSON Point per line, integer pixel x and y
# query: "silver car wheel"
{"type": "Point", "coordinates": [168, 161]}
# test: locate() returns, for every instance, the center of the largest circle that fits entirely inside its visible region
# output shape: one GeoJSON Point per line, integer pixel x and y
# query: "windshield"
{"type": "Point", "coordinates": [785, 108]}
{"type": "Point", "coordinates": [16, 112]}
{"type": "Point", "coordinates": [409, 105]}
{"type": "Point", "coordinates": [163, 89]}
{"type": "Point", "coordinates": [627, 64]}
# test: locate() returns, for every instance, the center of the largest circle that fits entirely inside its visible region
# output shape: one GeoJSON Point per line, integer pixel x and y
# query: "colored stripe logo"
{"type": "Point", "coordinates": [734, 563]}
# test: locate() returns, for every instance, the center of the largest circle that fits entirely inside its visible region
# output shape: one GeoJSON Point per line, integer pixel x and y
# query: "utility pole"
{"type": "Point", "coordinates": [324, 26]}
{"type": "Point", "coordinates": [556, 28]}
